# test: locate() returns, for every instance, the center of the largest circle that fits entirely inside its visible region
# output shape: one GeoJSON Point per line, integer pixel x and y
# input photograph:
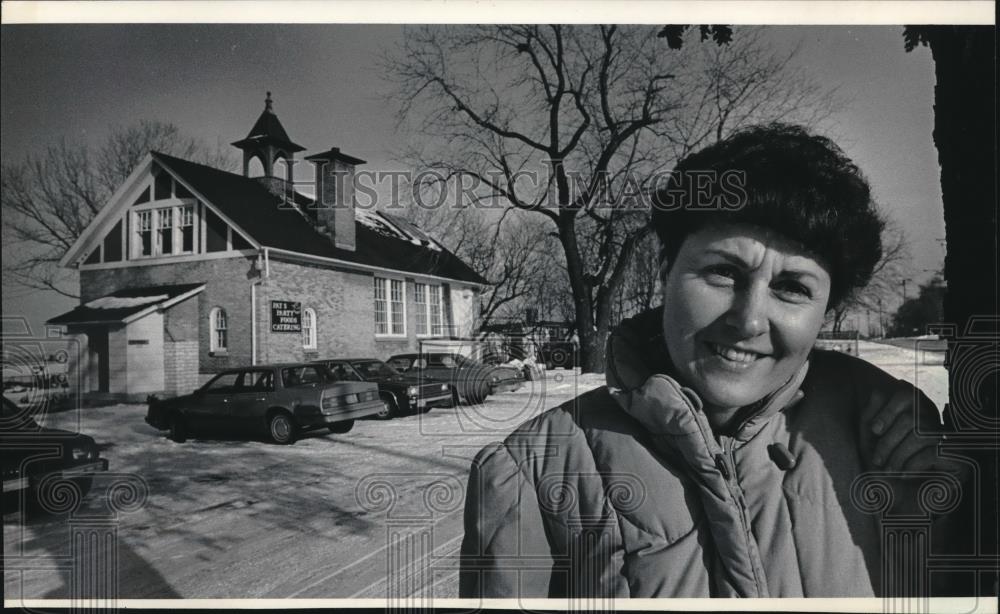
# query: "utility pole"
{"type": "Point", "coordinates": [904, 289]}
{"type": "Point", "coordinates": [881, 322]}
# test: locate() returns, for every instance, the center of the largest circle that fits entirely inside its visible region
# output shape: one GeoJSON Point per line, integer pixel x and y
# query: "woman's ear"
{"type": "Point", "coordinates": [664, 269]}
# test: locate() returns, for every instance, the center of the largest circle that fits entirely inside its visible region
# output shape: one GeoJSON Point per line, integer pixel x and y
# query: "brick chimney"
{"type": "Point", "coordinates": [335, 196]}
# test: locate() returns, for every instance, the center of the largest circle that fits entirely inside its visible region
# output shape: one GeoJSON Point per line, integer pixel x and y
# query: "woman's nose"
{"type": "Point", "coordinates": [748, 315]}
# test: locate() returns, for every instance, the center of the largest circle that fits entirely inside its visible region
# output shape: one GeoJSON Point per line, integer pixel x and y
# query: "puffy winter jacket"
{"type": "Point", "coordinates": [626, 491]}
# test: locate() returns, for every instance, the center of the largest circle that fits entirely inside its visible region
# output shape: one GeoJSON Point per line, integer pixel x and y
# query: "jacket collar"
{"type": "Point", "coordinates": [638, 369]}
{"type": "Point", "coordinates": [639, 375]}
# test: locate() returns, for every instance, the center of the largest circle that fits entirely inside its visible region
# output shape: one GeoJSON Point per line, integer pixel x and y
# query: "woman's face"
{"type": "Point", "coordinates": [742, 307]}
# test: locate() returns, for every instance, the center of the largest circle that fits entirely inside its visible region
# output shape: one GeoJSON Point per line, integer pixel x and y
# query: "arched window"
{"type": "Point", "coordinates": [218, 326]}
{"type": "Point", "coordinates": [308, 329]}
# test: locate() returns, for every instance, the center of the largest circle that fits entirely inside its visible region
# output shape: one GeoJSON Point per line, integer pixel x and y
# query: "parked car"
{"type": "Point", "coordinates": [529, 369]}
{"type": "Point", "coordinates": [280, 400]}
{"type": "Point", "coordinates": [472, 380]}
{"type": "Point", "coordinates": [33, 454]}
{"type": "Point", "coordinates": [400, 393]}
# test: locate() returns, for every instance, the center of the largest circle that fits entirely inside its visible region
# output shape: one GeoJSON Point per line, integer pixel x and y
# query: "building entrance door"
{"type": "Point", "coordinates": [98, 341]}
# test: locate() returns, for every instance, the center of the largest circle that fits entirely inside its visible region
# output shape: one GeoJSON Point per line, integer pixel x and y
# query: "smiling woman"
{"type": "Point", "coordinates": [722, 458]}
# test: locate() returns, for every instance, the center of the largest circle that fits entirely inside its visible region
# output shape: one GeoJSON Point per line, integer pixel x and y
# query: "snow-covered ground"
{"type": "Point", "coordinates": [333, 516]}
{"type": "Point", "coordinates": [924, 368]}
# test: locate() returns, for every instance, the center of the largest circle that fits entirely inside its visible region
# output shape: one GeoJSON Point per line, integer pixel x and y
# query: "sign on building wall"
{"type": "Point", "coordinates": [286, 317]}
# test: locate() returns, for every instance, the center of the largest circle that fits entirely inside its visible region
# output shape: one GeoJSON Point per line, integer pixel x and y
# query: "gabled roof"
{"type": "Point", "coordinates": [127, 304]}
{"type": "Point", "coordinates": [259, 213]}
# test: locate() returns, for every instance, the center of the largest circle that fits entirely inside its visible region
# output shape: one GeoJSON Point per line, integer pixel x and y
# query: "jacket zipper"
{"type": "Point", "coordinates": [736, 490]}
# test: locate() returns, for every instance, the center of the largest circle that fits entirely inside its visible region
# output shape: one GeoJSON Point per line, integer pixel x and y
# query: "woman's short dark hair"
{"type": "Point", "coordinates": [783, 178]}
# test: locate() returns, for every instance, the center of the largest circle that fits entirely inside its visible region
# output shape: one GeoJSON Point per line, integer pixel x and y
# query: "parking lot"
{"type": "Point", "coordinates": [371, 513]}
{"type": "Point", "coordinates": [217, 517]}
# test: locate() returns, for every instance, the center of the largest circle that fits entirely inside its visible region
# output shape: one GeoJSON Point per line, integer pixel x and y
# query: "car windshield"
{"type": "Point", "coordinates": [342, 372]}
{"type": "Point", "coordinates": [374, 368]}
{"type": "Point", "coordinates": [303, 375]}
{"type": "Point", "coordinates": [401, 363]}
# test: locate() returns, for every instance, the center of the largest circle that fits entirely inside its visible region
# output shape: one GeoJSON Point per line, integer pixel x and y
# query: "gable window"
{"type": "Point", "coordinates": [430, 307]}
{"type": "Point", "coordinates": [218, 327]}
{"type": "Point", "coordinates": [185, 224]}
{"type": "Point", "coordinates": [144, 233]}
{"type": "Point", "coordinates": [308, 329]}
{"type": "Point", "coordinates": [390, 309]}
{"type": "Point", "coordinates": [165, 231]}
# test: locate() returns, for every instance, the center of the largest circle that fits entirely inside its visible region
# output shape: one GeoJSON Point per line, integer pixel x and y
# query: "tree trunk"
{"type": "Point", "coordinates": [591, 350]}
{"type": "Point", "coordinates": [965, 137]}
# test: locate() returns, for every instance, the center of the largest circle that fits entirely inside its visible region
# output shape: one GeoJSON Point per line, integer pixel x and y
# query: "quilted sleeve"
{"type": "Point", "coordinates": [505, 552]}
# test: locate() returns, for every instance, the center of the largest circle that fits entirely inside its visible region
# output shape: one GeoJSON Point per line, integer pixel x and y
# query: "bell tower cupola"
{"type": "Point", "coordinates": [269, 143]}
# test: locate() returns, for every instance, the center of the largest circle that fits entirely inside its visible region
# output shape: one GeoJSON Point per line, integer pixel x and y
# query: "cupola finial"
{"type": "Point", "coordinates": [267, 103]}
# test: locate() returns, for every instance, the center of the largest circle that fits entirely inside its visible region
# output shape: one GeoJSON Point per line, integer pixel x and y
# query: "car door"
{"type": "Point", "coordinates": [209, 407]}
{"type": "Point", "coordinates": [248, 403]}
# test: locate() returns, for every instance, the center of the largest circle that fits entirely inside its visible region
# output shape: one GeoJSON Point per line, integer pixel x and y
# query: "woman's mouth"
{"type": "Point", "coordinates": [734, 355]}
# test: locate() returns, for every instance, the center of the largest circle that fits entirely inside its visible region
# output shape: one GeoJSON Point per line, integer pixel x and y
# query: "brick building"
{"type": "Point", "coordinates": [189, 269]}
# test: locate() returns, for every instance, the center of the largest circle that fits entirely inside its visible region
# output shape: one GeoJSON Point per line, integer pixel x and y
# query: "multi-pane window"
{"type": "Point", "coordinates": [435, 309]}
{"type": "Point", "coordinates": [309, 329]}
{"type": "Point", "coordinates": [165, 231]}
{"type": "Point", "coordinates": [185, 223]}
{"type": "Point", "coordinates": [381, 308]}
{"type": "Point", "coordinates": [390, 313]}
{"type": "Point", "coordinates": [430, 309]}
{"type": "Point", "coordinates": [144, 232]}
{"type": "Point", "coordinates": [420, 299]}
{"type": "Point", "coordinates": [219, 329]}
{"type": "Point", "coordinates": [396, 304]}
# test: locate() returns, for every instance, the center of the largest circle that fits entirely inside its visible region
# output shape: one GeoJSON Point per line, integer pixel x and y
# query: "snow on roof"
{"type": "Point", "coordinates": [395, 227]}
{"type": "Point", "coordinates": [125, 302]}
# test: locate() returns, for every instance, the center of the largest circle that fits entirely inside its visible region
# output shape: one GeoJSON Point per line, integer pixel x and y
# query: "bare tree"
{"type": "Point", "coordinates": [890, 270]}
{"type": "Point", "coordinates": [510, 252]}
{"type": "Point", "coordinates": [49, 199]}
{"type": "Point", "coordinates": [574, 124]}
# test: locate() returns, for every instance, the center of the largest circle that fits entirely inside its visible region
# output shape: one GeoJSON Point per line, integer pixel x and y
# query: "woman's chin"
{"type": "Point", "coordinates": [729, 395]}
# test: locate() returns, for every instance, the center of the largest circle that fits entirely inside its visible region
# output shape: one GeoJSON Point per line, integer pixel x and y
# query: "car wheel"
{"type": "Point", "coordinates": [341, 427]}
{"type": "Point", "coordinates": [178, 430]}
{"type": "Point", "coordinates": [388, 410]}
{"type": "Point", "coordinates": [281, 428]}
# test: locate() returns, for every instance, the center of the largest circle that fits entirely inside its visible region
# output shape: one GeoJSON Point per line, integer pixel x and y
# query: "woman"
{"type": "Point", "coordinates": [719, 459]}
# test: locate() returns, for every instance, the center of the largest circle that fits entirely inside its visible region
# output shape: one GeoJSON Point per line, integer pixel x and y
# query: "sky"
{"type": "Point", "coordinates": [77, 82]}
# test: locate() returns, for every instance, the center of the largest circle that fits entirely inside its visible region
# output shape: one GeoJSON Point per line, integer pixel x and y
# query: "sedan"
{"type": "Point", "coordinates": [279, 400]}
{"type": "Point", "coordinates": [472, 380]}
{"type": "Point", "coordinates": [400, 393]}
{"type": "Point", "coordinates": [36, 457]}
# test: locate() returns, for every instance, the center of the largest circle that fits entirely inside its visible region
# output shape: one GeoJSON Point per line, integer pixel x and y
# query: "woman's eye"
{"type": "Point", "coordinates": [793, 288]}
{"type": "Point", "coordinates": [721, 273]}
